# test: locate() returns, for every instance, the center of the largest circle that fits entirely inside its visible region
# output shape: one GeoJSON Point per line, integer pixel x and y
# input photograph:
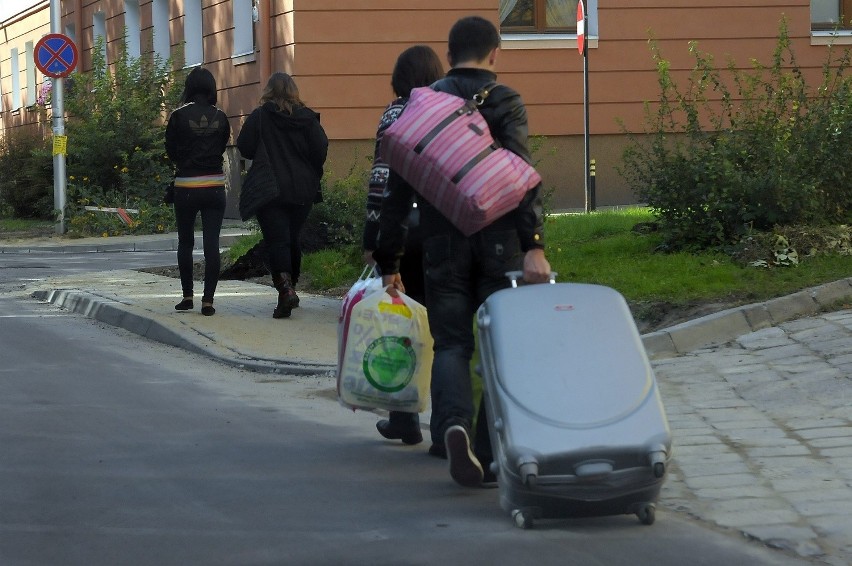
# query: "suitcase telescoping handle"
{"type": "Point", "coordinates": [516, 276]}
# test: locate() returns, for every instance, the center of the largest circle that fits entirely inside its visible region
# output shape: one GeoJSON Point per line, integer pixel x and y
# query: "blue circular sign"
{"type": "Point", "coordinates": [55, 55]}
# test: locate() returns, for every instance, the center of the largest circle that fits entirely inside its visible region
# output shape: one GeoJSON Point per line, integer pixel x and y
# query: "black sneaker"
{"type": "Point", "coordinates": [464, 467]}
{"type": "Point", "coordinates": [408, 435]}
{"type": "Point", "coordinates": [489, 479]}
{"type": "Point", "coordinates": [438, 451]}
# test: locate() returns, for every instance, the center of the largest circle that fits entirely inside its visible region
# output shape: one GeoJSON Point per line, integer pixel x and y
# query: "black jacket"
{"type": "Point", "coordinates": [196, 136]}
{"type": "Point", "coordinates": [297, 147]}
{"type": "Point", "coordinates": [506, 116]}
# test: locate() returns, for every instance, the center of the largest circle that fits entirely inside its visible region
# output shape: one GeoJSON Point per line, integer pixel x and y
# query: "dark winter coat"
{"type": "Point", "coordinates": [297, 147]}
{"type": "Point", "coordinates": [196, 136]}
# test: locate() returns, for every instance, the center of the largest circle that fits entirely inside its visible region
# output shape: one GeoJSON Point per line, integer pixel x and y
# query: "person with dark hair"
{"type": "Point", "coordinates": [462, 271]}
{"type": "Point", "coordinates": [196, 136]}
{"type": "Point", "coordinates": [297, 147]}
{"type": "Point", "coordinates": [417, 66]}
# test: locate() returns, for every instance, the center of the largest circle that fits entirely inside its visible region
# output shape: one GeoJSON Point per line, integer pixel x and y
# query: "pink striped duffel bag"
{"type": "Point", "coordinates": [442, 146]}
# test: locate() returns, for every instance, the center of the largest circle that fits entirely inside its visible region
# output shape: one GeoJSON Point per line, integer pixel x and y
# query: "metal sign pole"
{"type": "Point", "coordinates": [590, 192]}
{"type": "Point", "coordinates": [58, 109]}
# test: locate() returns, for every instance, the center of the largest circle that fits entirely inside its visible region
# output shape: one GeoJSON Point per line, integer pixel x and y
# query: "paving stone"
{"type": "Point", "coordinates": [728, 480]}
{"type": "Point", "coordinates": [782, 352]}
{"type": "Point", "coordinates": [735, 492]}
{"type": "Point", "coordinates": [822, 508]}
{"type": "Point", "coordinates": [814, 422]}
{"type": "Point", "coordinates": [773, 451]}
{"type": "Point", "coordinates": [837, 524]}
{"type": "Point", "coordinates": [696, 440]}
{"type": "Point", "coordinates": [754, 518]}
{"type": "Point", "coordinates": [832, 442]}
{"type": "Point", "coordinates": [719, 469]}
{"type": "Point", "coordinates": [828, 492]}
{"type": "Point", "coordinates": [802, 324]}
{"type": "Point", "coordinates": [827, 432]}
{"type": "Point", "coordinates": [842, 452]}
{"type": "Point", "coordinates": [837, 346]}
{"type": "Point", "coordinates": [768, 337]}
{"type": "Point", "coordinates": [798, 484]}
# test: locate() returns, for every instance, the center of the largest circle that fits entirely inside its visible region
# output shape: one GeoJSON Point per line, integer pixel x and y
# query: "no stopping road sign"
{"type": "Point", "coordinates": [55, 55]}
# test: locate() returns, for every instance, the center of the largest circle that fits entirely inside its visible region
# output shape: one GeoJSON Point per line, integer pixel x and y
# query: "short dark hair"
{"type": "Point", "coordinates": [200, 86]}
{"type": "Point", "coordinates": [472, 39]}
{"type": "Point", "coordinates": [415, 67]}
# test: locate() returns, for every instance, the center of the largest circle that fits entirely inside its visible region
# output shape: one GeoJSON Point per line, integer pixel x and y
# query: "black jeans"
{"type": "Point", "coordinates": [460, 273]}
{"type": "Point", "coordinates": [210, 202]}
{"type": "Point", "coordinates": [281, 225]}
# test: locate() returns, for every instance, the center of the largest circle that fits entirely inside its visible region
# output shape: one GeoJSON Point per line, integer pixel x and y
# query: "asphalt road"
{"type": "Point", "coordinates": [117, 450]}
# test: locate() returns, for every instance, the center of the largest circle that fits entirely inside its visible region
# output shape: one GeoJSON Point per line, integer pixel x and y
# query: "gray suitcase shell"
{"type": "Point", "coordinates": [576, 420]}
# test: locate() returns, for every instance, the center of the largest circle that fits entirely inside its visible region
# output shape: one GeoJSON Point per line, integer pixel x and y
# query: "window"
{"type": "Point", "coordinates": [193, 33]}
{"type": "Point", "coordinates": [99, 33]}
{"type": "Point", "coordinates": [16, 80]}
{"type": "Point", "coordinates": [538, 16]}
{"type": "Point", "coordinates": [161, 20]}
{"type": "Point", "coordinates": [830, 14]}
{"type": "Point", "coordinates": [133, 28]}
{"type": "Point", "coordinates": [70, 32]}
{"type": "Point", "coordinates": [30, 73]}
{"type": "Point", "coordinates": [243, 27]}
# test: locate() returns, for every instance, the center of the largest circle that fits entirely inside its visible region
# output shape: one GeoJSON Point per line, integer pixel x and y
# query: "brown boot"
{"type": "Point", "coordinates": [287, 299]}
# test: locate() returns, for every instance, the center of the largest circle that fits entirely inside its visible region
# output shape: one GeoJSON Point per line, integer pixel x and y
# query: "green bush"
{"type": "Point", "coordinates": [26, 185]}
{"type": "Point", "coordinates": [116, 152]}
{"type": "Point", "coordinates": [752, 149]}
{"type": "Point", "coordinates": [338, 221]}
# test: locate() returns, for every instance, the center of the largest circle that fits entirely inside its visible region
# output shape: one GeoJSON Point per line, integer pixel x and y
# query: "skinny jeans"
{"type": "Point", "coordinates": [210, 203]}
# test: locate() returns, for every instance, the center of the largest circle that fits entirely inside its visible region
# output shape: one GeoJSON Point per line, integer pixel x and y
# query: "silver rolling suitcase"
{"type": "Point", "coordinates": [576, 421]}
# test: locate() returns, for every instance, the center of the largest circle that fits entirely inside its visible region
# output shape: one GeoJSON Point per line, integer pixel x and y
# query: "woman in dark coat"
{"type": "Point", "coordinates": [297, 148]}
{"type": "Point", "coordinates": [196, 136]}
{"type": "Point", "coordinates": [417, 66]}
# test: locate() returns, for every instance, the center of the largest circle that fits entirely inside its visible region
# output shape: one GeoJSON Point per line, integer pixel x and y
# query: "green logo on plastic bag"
{"type": "Point", "coordinates": [389, 363]}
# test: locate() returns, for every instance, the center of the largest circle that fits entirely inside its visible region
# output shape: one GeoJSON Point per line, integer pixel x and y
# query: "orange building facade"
{"type": "Point", "coordinates": [341, 53]}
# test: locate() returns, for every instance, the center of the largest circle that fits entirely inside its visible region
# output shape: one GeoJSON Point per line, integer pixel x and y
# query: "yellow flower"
{"type": "Point", "coordinates": [105, 234]}
{"type": "Point", "coordinates": [124, 169]}
{"type": "Point", "coordinates": [71, 177]}
{"type": "Point", "coordinates": [115, 166]}
{"type": "Point", "coordinates": [160, 228]}
{"type": "Point", "coordinates": [137, 148]}
{"type": "Point", "coordinates": [85, 178]}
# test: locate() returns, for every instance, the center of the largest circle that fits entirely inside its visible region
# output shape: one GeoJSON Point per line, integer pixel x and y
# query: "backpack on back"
{"type": "Point", "coordinates": [442, 146]}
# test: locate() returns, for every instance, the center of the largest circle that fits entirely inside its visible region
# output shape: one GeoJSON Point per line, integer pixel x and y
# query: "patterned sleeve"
{"type": "Point", "coordinates": [379, 176]}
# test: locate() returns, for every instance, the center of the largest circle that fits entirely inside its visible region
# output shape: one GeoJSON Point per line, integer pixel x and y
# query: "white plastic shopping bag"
{"type": "Point", "coordinates": [368, 281]}
{"type": "Point", "coordinates": [387, 354]}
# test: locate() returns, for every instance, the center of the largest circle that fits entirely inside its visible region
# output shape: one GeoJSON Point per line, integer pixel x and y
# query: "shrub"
{"type": "Point", "coordinates": [116, 122]}
{"type": "Point", "coordinates": [26, 185]}
{"type": "Point", "coordinates": [753, 148]}
{"type": "Point", "coordinates": [338, 221]}
{"type": "Point", "coordinates": [151, 218]}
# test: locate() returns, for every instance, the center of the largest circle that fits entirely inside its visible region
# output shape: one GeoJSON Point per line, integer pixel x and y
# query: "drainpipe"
{"type": "Point", "coordinates": [264, 41]}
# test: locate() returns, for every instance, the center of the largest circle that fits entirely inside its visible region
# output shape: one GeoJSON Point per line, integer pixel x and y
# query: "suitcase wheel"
{"type": "Point", "coordinates": [523, 518]}
{"type": "Point", "coordinates": [647, 513]}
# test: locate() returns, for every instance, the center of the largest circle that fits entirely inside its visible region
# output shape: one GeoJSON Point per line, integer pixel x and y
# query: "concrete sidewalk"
{"type": "Point", "coordinates": [759, 397]}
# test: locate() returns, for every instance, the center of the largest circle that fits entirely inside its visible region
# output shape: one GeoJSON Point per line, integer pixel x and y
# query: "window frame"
{"type": "Point", "coordinates": [516, 40]}
{"type": "Point", "coordinates": [539, 26]}
{"type": "Point", "coordinates": [833, 34]}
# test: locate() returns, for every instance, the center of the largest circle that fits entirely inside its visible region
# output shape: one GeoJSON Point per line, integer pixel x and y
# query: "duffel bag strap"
{"type": "Point", "coordinates": [483, 93]}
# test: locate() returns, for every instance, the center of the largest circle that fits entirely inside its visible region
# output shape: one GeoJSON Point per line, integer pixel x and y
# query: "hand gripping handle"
{"type": "Point", "coordinates": [516, 276]}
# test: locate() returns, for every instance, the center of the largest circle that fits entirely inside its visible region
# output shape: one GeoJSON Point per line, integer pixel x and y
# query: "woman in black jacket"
{"type": "Point", "coordinates": [297, 147]}
{"type": "Point", "coordinates": [196, 136]}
